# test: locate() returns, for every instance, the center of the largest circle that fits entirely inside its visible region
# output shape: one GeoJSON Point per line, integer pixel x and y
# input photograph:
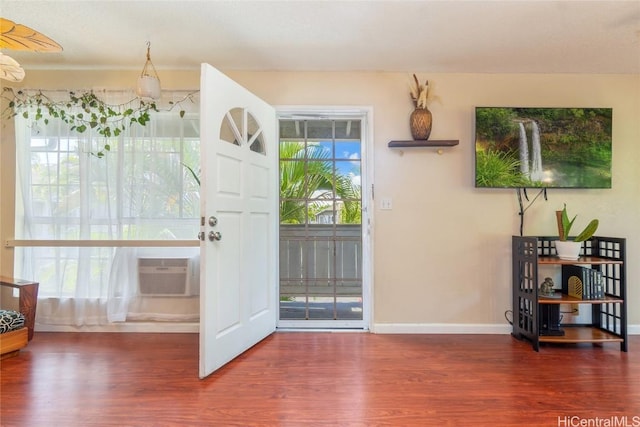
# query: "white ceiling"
{"type": "Point", "coordinates": [562, 36]}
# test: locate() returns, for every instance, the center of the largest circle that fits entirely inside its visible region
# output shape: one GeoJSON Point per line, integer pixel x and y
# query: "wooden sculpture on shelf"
{"type": "Point", "coordinates": [20, 37]}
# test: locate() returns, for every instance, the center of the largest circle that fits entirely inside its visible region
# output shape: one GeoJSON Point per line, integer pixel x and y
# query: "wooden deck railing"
{"type": "Point", "coordinates": [320, 260]}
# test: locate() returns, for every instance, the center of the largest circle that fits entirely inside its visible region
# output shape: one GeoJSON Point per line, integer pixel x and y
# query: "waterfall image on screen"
{"type": "Point", "coordinates": [543, 147]}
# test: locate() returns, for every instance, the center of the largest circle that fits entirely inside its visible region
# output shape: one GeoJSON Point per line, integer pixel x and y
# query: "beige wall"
{"type": "Point", "coordinates": [442, 255]}
{"type": "Point", "coordinates": [7, 171]}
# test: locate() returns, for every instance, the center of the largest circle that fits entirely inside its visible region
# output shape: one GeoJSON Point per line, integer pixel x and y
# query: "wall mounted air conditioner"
{"type": "Point", "coordinates": [167, 277]}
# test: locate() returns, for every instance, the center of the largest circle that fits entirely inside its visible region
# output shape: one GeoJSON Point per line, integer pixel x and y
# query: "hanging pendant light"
{"type": "Point", "coordinates": [148, 82]}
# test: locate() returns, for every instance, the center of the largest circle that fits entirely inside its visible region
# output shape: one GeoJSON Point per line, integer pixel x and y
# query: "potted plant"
{"type": "Point", "coordinates": [567, 247]}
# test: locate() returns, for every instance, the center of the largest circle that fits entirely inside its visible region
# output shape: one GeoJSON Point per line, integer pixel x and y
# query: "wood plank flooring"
{"type": "Point", "coordinates": [319, 379]}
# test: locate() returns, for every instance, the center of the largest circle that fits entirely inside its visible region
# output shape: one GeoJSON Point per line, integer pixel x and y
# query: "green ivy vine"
{"type": "Point", "coordinates": [82, 111]}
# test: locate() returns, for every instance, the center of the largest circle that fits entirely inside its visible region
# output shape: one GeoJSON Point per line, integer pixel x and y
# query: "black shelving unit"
{"type": "Point", "coordinates": [531, 311]}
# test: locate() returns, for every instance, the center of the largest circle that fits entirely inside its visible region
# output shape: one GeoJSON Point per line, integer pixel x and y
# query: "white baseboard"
{"type": "Point", "coordinates": [140, 327]}
{"type": "Point", "coordinates": [633, 329]}
{"type": "Point", "coordinates": [440, 328]}
{"type": "Point", "coordinates": [378, 328]}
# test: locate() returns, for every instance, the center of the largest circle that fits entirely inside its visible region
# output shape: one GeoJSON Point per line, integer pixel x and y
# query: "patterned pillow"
{"type": "Point", "coordinates": [10, 320]}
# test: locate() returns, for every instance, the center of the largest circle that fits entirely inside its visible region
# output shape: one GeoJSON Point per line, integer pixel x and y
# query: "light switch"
{"type": "Point", "coordinates": [386, 204]}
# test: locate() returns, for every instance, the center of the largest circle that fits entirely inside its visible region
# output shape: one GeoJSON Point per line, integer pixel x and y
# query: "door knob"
{"type": "Point", "coordinates": [214, 235]}
{"type": "Point", "coordinates": [201, 236]}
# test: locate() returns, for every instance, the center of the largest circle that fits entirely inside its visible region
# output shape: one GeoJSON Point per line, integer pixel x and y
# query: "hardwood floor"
{"type": "Point", "coordinates": [319, 379]}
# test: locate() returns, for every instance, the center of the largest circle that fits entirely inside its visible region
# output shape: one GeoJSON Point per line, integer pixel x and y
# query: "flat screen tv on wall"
{"type": "Point", "coordinates": [543, 147]}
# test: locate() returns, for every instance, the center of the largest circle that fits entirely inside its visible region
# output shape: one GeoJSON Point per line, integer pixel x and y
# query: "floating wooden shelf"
{"type": "Point", "coordinates": [427, 143]}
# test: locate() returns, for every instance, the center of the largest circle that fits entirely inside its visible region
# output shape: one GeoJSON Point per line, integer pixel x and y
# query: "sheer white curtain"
{"type": "Point", "coordinates": [139, 190]}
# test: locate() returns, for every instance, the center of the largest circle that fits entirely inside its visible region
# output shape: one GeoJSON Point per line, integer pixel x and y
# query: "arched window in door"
{"type": "Point", "coordinates": [239, 127]}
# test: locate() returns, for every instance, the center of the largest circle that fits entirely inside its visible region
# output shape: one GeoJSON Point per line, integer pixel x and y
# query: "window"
{"type": "Point", "coordinates": [141, 189]}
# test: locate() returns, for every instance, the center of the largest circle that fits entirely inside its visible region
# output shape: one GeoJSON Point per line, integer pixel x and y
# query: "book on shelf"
{"type": "Point", "coordinates": [582, 282]}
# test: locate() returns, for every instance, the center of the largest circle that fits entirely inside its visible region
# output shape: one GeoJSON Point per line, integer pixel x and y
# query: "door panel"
{"type": "Point", "coordinates": [238, 302]}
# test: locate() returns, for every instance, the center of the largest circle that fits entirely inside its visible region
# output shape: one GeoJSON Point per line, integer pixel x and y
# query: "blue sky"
{"type": "Point", "coordinates": [347, 156]}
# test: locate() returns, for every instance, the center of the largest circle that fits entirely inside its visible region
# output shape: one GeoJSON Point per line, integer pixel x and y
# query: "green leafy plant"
{"type": "Point", "coordinates": [315, 179]}
{"type": "Point", "coordinates": [81, 111]}
{"type": "Point", "coordinates": [499, 169]}
{"type": "Point", "coordinates": [195, 175]}
{"type": "Point", "coordinates": [565, 224]}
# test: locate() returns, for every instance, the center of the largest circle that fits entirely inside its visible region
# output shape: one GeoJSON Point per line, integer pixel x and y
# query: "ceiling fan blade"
{"type": "Point", "coordinates": [10, 69]}
{"type": "Point", "coordinates": [20, 37]}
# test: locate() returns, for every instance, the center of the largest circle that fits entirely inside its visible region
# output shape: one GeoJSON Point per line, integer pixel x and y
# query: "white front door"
{"type": "Point", "coordinates": [239, 161]}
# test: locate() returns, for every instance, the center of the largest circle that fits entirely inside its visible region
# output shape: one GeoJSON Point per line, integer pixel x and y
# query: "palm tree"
{"type": "Point", "coordinates": [352, 209]}
{"type": "Point", "coordinates": [311, 176]}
